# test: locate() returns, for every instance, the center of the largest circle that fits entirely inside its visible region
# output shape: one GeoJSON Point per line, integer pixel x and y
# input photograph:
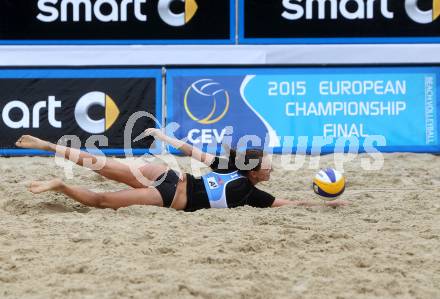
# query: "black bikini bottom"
{"type": "Point", "coordinates": [167, 187]}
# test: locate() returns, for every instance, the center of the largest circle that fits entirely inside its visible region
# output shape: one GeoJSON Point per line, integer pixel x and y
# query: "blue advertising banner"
{"type": "Point", "coordinates": [98, 109]}
{"type": "Point", "coordinates": [313, 109]}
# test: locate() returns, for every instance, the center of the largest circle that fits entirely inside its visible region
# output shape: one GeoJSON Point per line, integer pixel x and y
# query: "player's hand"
{"type": "Point", "coordinates": [153, 132]}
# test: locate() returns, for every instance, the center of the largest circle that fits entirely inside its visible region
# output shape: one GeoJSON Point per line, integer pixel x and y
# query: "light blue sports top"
{"type": "Point", "coordinates": [215, 185]}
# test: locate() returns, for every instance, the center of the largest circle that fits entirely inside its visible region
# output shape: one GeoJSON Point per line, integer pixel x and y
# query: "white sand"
{"type": "Point", "coordinates": [385, 245]}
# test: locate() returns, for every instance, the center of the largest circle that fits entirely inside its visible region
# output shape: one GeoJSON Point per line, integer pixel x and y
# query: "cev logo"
{"type": "Point", "coordinates": [202, 91]}
{"type": "Point", "coordinates": [96, 126]}
{"type": "Point", "coordinates": [173, 19]}
{"type": "Point", "coordinates": [422, 16]}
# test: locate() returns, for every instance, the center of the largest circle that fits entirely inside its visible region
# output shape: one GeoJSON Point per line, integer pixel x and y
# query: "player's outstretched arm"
{"type": "Point", "coordinates": [304, 203]}
{"type": "Point", "coordinates": [186, 148]}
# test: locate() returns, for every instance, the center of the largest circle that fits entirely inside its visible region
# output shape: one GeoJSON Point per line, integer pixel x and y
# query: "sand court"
{"type": "Point", "coordinates": [385, 245]}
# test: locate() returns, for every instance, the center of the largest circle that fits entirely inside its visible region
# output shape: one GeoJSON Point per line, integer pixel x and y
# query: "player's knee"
{"type": "Point", "coordinates": [102, 201]}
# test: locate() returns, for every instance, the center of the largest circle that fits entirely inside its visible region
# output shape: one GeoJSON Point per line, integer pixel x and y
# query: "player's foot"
{"type": "Point", "coordinates": [28, 141]}
{"type": "Point", "coordinates": [43, 186]}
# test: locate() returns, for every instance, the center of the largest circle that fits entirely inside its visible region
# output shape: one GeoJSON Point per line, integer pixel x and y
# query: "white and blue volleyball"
{"type": "Point", "coordinates": [329, 183]}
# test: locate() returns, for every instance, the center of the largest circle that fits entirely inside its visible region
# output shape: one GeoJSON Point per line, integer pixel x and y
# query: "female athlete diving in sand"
{"type": "Point", "coordinates": [231, 183]}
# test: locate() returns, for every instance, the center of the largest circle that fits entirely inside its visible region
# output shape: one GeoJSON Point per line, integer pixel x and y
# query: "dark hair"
{"type": "Point", "coordinates": [245, 161]}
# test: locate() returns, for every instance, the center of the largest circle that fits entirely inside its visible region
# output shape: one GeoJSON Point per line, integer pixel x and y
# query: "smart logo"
{"type": "Point", "coordinates": [355, 10]}
{"type": "Point", "coordinates": [30, 117]}
{"type": "Point", "coordinates": [206, 102]}
{"type": "Point", "coordinates": [82, 112]}
{"type": "Point", "coordinates": [112, 11]}
{"type": "Point", "coordinates": [180, 19]}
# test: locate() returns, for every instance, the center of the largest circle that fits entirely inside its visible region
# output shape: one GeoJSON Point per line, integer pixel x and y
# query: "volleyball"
{"type": "Point", "coordinates": [329, 183]}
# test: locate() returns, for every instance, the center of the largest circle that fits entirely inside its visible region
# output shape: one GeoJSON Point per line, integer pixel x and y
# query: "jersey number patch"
{"type": "Point", "coordinates": [212, 183]}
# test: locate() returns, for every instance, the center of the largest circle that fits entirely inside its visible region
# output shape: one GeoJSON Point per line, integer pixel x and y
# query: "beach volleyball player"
{"type": "Point", "coordinates": [227, 186]}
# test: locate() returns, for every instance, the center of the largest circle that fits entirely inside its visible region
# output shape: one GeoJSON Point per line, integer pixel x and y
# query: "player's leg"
{"type": "Point", "coordinates": [113, 200]}
{"type": "Point", "coordinates": [107, 167]}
